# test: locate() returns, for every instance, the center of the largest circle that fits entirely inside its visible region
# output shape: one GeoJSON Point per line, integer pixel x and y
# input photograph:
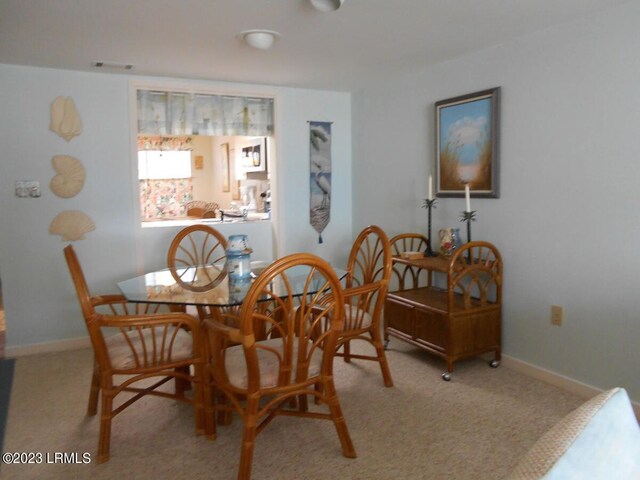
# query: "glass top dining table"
{"type": "Point", "coordinates": [162, 287]}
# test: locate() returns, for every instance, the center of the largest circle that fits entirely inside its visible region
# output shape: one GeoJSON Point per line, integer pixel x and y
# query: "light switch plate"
{"type": "Point", "coordinates": [28, 188]}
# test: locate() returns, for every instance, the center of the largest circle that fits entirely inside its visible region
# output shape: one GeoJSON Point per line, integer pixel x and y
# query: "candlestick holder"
{"type": "Point", "coordinates": [468, 217]}
{"type": "Point", "coordinates": [429, 204]}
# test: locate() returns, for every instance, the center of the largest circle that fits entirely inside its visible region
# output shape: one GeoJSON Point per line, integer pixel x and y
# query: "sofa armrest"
{"type": "Point", "coordinates": [598, 440]}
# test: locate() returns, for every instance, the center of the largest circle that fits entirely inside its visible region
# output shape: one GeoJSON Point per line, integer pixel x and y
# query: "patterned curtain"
{"type": "Point", "coordinates": [164, 143]}
{"type": "Point", "coordinates": [166, 197]}
{"type": "Point", "coordinates": [172, 113]}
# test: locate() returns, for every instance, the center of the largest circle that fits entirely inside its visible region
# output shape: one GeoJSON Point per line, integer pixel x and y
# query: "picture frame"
{"type": "Point", "coordinates": [254, 155]}
{"type": "Point", "coordinates": [199, 162]}
{"type": "Point", "coordinates": [224, 162]}
{"type": "Point", "coordinates": [467, 141]}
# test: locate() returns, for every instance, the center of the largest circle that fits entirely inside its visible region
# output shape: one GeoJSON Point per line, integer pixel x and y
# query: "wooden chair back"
{"type": "Point", "coordinates": [367, 282]}
{"type": "Point", "coordinates": [370, 258]}
{"type": "Point", "coordinates": [285, 342]}
{"type": "Point", "coordinates": [203, 248]}
{"type": "Point", "coordinates": [369, 267]}
{"type": "Point", "coordinates": [79, 282]}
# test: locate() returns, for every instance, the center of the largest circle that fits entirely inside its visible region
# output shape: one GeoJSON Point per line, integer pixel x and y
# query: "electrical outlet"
{"type": "Point", "coordinates": [557, 315]}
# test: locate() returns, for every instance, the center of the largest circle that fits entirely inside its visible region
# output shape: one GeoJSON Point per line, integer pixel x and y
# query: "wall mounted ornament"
{"type": "Point", "coordinates": [65, 119]}
{"type": "Point", "coordinates": [71, 225]}
{"type": "Point", "coordinates": [320, 175]}
{"type": "Point", "coordinates": [70, 178]}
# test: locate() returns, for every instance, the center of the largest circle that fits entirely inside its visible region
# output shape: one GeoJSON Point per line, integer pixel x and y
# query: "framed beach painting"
{"type": "Point", "coordinates": [467, 135]}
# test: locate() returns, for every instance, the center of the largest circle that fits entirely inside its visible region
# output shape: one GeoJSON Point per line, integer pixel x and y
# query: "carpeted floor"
{"type": "Point", "coordinates": [475, 427]}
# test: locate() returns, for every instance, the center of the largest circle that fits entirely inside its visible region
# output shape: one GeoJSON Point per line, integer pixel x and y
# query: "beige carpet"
{"type": "Point", "coordinates": [475, 427]}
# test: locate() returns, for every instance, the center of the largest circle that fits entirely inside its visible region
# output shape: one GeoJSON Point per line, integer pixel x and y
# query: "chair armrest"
{"type": "Point", "coordinates": [119, 305]}
{"type": "Point", "coordinates": [218, 328]}
{"type": "Point", "coordinates": [362, 289]}
{"type": "Point", "coordinates": [151, 320]}
{"type": "Point", "coordinates": [107, 299]}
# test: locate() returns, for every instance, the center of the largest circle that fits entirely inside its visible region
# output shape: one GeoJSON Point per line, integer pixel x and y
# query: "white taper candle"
{"type": "Point", "coordinates": [467, 197]}
{"type": "Point", "coordinates": [430, 188]}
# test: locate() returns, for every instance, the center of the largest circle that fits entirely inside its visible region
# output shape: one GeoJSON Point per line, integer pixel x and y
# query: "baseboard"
{"type": "Point", "coordinates": [566, 383]}
{"type": "Point", "coordinates": [47, 347]}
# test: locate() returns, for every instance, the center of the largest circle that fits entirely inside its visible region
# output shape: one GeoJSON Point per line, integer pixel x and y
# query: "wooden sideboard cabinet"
{"type": "Point", "coordinates": [449, 306]}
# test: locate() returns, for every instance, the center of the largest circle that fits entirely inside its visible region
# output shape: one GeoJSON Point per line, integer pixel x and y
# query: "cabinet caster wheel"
{"type": "Point", "coordinates": [494, 363]}
{"type": "Point", "coordinates": [446, 376]}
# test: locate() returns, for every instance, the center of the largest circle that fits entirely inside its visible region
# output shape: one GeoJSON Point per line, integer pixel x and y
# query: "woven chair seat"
{"type": "Point", "coordinates": [355, 317]}
{"type": "Point", "coordinates": [236, 365]}
{"type": "Point", "coordinates": [148, 347]}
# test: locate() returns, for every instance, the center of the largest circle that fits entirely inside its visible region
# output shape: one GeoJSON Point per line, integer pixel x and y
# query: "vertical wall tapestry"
{"type": "Point", "coordinates": [320, 175]}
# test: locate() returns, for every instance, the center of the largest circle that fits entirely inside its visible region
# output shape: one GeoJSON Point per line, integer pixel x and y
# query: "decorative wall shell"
{"type": "Point", "coordinates": [65, 119]}
{"type": "Point", "coordinates": [70, 178]}
{"type": "Point", "coordinates": [71, 225]}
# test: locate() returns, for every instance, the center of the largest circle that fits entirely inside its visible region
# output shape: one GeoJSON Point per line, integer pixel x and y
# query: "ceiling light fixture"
{"type": "Point", "coordinates": [260, 39]}
{"type": "Point", "coordinates": [327, 5]}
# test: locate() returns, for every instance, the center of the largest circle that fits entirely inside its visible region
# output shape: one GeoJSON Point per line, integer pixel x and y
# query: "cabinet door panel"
{"type": "Point", "coordinates": [431, 328]}
{"type": "Point", "coordinates": [399, 317]}
{"type": "Point", "coordinates": [472, 333]}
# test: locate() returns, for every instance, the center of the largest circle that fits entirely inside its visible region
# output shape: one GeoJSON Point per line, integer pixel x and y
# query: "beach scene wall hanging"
{"type": "Point", "coordinates": [467, 145]}
{"type": "Point", "coordinates": [320, 175]}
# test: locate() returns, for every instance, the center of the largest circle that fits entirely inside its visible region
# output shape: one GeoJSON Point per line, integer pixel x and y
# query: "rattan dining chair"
{"type": "Point", "coordinates": [196, 259]}
{"type": "Point", "coordinates": [202, 247]}
{"type": "Point", "coordinates": [367, 281]}
{"type": "Point", "coordinates": [284, 349]}
{"type": "Point", "coordinates": [133, 345]}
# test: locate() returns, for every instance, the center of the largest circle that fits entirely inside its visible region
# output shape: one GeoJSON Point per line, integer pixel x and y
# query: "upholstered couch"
{"type": "Point", "coordinates": [600, 440]}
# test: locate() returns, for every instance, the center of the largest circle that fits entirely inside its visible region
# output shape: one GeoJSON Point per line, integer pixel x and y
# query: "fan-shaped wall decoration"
{"type": "Point", "coordinates": [70, 178]}
{"type": "Point", "coordinates": [71, 225]}
{"type": "Point", "coordinates": [65, 119]}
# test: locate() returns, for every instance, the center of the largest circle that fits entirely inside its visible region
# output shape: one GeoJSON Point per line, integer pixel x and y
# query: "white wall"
{"type": "Point", "coordinates": [292, 179]}
{"type": "Point", "coordinates": [207, 185]}
{"type": "Point", "coordinates": [39, 298]}
{"type": "Point", "coordinates": [567, 221]}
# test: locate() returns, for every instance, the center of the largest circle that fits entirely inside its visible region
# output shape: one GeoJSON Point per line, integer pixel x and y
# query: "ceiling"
{"type": "Point", "coordinates": [334, 51]}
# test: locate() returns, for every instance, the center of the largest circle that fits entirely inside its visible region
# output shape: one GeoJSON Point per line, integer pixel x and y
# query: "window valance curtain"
{"type": "Point", "coordinates": [164, 143]}
{"type": "Point", "coordinates": [176, 113]}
